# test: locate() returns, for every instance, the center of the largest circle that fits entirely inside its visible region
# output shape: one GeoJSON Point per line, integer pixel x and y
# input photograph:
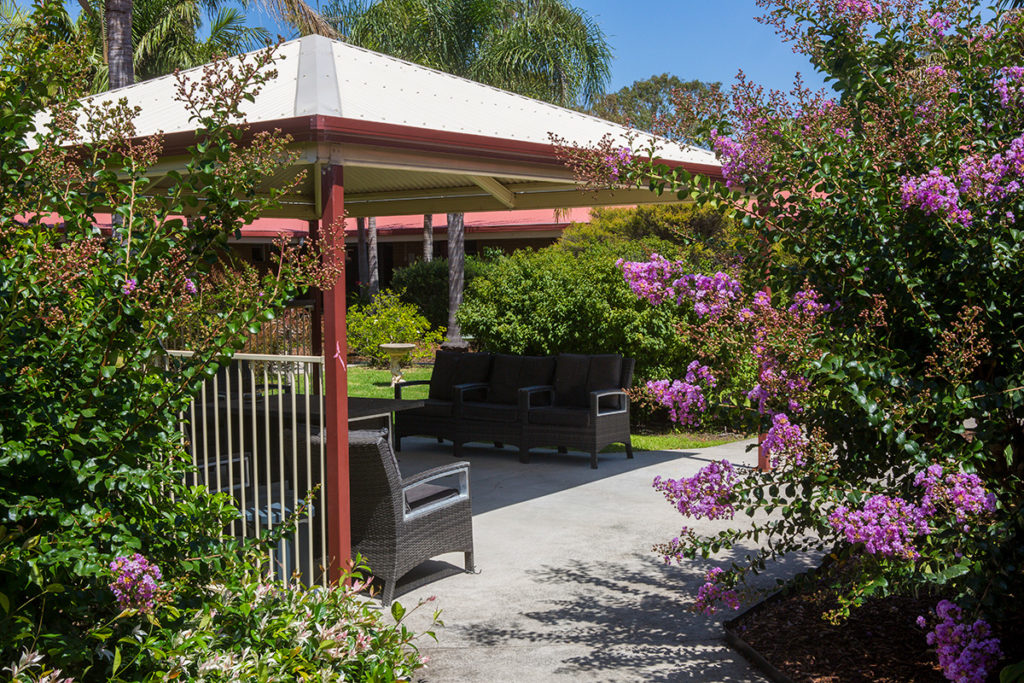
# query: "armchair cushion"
{"type": "Point", "coordinates": [605, 372]}
{"type": "Point", "coordinates": [473, 367]}
{"type": "Point", "coordinates": [560, 417]}
{"type": "Point", "coordinates": [571, 379]}
{"type": "Point", "coordinates": [424, 494]}
{"type": "Point", "coordinates": [505, 374]}
{"type": "Point", "coordinates": [435, 408]}
{"type": "Point", "coordinates": [443, 377]}
{"type": "Point", "coordinates": [491, 412]}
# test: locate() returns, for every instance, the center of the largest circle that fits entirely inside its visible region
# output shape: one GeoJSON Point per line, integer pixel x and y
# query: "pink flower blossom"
{"type": "Point", "coordinates": [705, 495]}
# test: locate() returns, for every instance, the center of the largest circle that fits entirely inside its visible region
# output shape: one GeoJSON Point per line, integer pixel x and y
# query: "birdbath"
{"type": "Point", "coordinates": [397, 353]}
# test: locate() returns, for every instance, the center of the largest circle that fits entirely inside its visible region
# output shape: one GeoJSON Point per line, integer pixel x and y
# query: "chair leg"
{"type": "Point", "coordinates": [398, 442]}
{"type": "Point", "coordinates": [629, 449]}
{"type": "Point", "coordinates": [470, 564]}
{"type": "Point", "coordinates": [593, 459]}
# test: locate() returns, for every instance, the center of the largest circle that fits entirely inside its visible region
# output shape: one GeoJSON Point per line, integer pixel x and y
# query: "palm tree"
{"type": "Point", "coordinates": [545, 49]}
{"type": "Point", "coordinates": [165, 37]}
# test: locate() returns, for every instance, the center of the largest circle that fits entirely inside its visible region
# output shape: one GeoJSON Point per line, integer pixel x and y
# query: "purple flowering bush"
{"type": "Point", "coordinates": [105, 553]}
{"type": "Point", "coordinates": [884, 337]}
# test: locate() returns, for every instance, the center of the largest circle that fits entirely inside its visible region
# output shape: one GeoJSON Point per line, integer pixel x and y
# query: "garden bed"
{"type": "Point", "coordinates": [786, 637]}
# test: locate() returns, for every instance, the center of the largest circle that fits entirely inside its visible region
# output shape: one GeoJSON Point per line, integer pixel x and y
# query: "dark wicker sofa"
{"type": "Point", "coordinates": [571, 401]}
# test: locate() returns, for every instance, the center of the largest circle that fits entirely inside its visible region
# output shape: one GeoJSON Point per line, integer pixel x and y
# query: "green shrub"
{"type": "Point", "coordinates": [92, 464]}
{"type": "Point", "coordinates": [386, 320]}
{"type": "Point", "coordinates": [425, 284]}
{"type": "Point", "coordinates": [552, 301]}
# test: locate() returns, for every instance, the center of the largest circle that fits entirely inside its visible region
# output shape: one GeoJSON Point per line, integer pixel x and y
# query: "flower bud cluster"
{"type": "Point", "coordinates": [135, 582]}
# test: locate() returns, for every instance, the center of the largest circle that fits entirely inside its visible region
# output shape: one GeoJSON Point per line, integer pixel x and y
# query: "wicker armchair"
{"type": "Point", "coordinates": [397, 524]}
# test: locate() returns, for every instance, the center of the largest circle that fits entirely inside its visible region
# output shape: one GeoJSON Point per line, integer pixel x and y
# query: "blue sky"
{"type": "Point", "coordinates": [705, 39]}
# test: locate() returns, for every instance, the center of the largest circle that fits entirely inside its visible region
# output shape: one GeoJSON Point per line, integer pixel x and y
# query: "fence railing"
{"type": "Point", "coordinates": [256, 431]}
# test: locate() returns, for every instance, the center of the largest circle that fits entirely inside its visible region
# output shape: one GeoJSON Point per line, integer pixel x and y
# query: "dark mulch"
{"type": "Point", "coordinates": [879, 642]}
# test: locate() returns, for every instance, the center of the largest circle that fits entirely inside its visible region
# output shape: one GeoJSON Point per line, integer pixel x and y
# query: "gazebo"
{"type": "Point", "coordinates": [378, 136]}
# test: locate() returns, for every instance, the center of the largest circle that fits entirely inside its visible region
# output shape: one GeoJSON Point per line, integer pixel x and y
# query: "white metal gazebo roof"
{"type": "Point", "coordinates": [411, 139]}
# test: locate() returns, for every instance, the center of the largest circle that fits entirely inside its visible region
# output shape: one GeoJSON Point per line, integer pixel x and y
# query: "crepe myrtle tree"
{"type": "Point", "coordinates": [111, 568]}
{"type": "Point", "coordinates": [887, 339]}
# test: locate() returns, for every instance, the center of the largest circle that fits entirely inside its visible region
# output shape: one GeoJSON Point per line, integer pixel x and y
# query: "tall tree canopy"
{"type": "Point", "coordinates": [546, 49]}
{"type": "Point", "coordinates": [650, 105]}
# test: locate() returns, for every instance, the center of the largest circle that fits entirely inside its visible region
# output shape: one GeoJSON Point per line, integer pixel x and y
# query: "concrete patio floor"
{"type": "Point", "coordinates": [567, 587]}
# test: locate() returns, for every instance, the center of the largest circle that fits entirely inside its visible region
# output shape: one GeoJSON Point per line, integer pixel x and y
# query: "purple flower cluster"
{"type": "Point", "coordinates": [993, 179]}
{"type": "Point", "coordinates": [135, 582]}
{"type": "Point", "coordinates": [190, 286]}
{"type": "Point", "coordinates": [940, 23]}
{"type": "Point", "coordinates": [964, 493]}
{"type": "Point", "coordinates": [935, 194]}
{"type": "Point", "coordinates": [685, 399]}
{"type": "Point", "coordinates": [1009, 86]}
{"type": "Point", "coordinates": [886, 526]}
{"type": "Point", "coordinates": [740, 159]}
{"type": "Point", "coordinates": [805, 302]}
{"type": "Point", "coordinates": [617, 161]}
{"type": "Point", "coordinates": [705, 495]}
{"type": "Point", "coordinates": [785, 442]}
{"type": "Point", "coordinates": [711, 294]}
{"type": "Point", "coordinates": [967, 652]}
{"type": "Point", "coordinates": [652, 280]}
{"type": "Point", "coordinates": [712, 593]}
{"type": "Point", "coordinates": [129, 286]}
{"type": "Point", "coordinates": [660, 280]}
{"type": "Point", "coordinates": [984, 179]}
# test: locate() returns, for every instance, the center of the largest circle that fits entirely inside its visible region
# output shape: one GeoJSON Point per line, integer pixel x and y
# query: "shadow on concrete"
{"type": "Point", "coordinates": [498, 479]}
{"type": "Point", "coordinates": [632, 625]}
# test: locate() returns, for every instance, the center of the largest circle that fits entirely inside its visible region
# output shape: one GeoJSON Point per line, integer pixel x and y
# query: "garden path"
{"type": "Point", "coordinates": [568, 588]}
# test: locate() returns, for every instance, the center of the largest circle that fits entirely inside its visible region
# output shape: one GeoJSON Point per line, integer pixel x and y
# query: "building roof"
{"type": "Point", "coordinates": [411, 139]}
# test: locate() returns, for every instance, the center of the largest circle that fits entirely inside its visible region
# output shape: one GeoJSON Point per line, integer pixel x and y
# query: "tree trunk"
{"type": "Point", "coordinates": [428, 237]}
{"type": "Point", "coordinates": [371, 256]}
{"type": "Point", "coordinates": [456, 275]}
{"type": "Point", "coordinates": [361, 255]}
{"type": "Point", "coordinates": [119, 42]}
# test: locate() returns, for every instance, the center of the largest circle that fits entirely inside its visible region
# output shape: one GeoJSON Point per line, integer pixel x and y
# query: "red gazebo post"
{"type": "Point", "coordinates": [339, 541]}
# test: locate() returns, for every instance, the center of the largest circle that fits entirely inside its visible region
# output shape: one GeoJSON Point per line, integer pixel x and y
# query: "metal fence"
{"type": "Point", "coordinates": [256, 431]}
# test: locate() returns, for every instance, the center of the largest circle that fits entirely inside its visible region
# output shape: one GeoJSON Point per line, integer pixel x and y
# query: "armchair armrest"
{"type": "Point", "coordinates": [459, 391]}
{"type": "Point", "coordinates": [460, 469]}
{"type": "Point", "coordinates": [408, 383]}
{"type": "Point", "coordinates": [526, 395]}
{"type": "Point", "coordinates": [595, 402]}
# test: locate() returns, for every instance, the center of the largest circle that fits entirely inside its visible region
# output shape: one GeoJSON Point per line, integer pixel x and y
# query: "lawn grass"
{"type": "Point", "coordinates": [376, 383]}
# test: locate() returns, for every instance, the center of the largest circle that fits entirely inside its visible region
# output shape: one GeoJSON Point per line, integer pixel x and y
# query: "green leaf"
{"type": "Point", "coordinates": [397, 611]}
{"type": "Point", "coordinates": [117, 661]}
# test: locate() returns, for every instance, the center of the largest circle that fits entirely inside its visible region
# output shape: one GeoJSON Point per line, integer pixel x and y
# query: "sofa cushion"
{"type": "Point", "coordinates": [424, 494]}
{"type": "Point", "coordinates": [605, 372]}
{"type": "Point", "coordinates": [473, 367]}
{"type": "Point", "coordinates": [571, 379]}
{"type": "Point", "coordinates": [537, 370]}
{"type": "Point", "coordinates": [506, 375]}
{"type": "Point", "coordinates": [490, 412]}
{"type": "Point", "coordinates": [431, 408]}
{"type": "Point", "coordinates": [561, 417]}
{"type": "Point", "coordinates": [441, 380]}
